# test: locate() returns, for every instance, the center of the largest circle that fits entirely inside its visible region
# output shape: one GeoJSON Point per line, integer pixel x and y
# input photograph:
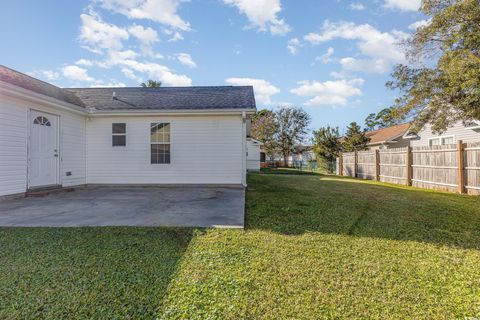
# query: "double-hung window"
{"type": "Point", "coordinates": [119, 134]}
{"type": "Point", "coordinates": [159, 142]}
{"type": "Point", "coordinates": [441, 141]}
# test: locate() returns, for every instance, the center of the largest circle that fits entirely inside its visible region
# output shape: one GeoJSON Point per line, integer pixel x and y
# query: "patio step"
{"type": "Point", "coordinates": [46, 191]}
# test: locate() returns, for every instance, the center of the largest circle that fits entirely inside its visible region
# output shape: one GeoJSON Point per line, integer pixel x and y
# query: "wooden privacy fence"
{"type": "Point", "coordinates": [453, 168]}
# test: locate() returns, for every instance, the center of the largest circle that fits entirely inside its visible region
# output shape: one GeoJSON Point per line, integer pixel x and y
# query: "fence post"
{"type": "Point", "coordinates": [461, 167]}
{"type": "Point", "coordinates": [340, 164]}
{"type": "Point", "coordinates": [377, 165]}
{"type": "Point", "coordinates": [355, 164]}
{"type": "Point", "coordinates": [408, 164]}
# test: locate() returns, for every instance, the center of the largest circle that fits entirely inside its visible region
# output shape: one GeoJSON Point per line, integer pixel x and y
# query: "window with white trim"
{"type": "Point", "coordinates": [159, 143]}
{"type": "Point", "coordinates": [119, 134]}
{"type": "Point", "coordinates": [441, 141]}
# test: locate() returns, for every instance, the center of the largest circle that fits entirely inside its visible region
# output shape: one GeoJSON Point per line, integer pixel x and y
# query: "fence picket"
{"type": "Point", "coordinates": [453, 168]}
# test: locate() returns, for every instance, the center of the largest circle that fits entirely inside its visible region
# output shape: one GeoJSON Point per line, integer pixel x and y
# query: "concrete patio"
{"type": "Point", "coordinates": [183, 206]}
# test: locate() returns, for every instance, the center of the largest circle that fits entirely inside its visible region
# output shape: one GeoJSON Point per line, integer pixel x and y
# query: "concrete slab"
{"type": "Point", "coordinates": [183, 206]}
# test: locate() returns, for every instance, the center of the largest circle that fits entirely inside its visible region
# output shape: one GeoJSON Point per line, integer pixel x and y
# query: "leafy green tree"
{"type": "Point", "coordinates": [292, 129]}
{"type": "Point", "coordinates": [151, 84]}
{"type": "Point", "coordinates": [383, 119]}
{"type": "Point", "coordinates": [264, 128]}
{"type": "Point", "coordinates": [442, 84]}
{"type": "Point", "coordinates": [326, 143]}
{"type": "Point", "coordinates": [355, 138]}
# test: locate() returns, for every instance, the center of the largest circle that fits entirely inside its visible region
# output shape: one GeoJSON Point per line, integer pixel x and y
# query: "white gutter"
{"type": "Point", "coordinates": [244, 148]}
{"type": "Point", "coordinates": [149, 112]}
{"type": "Point", "coordinates": [18, 92]}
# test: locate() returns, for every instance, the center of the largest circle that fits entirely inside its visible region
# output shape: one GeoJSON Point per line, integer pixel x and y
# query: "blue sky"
{"type": "Point", "coordinates": [330, 57]}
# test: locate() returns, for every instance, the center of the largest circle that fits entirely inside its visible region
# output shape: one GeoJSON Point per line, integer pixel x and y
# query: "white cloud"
{"type": "Point", "coordinates": [162, 11]}
{"type": "Point", "coordinates": [186, 60]}
{"type": "Point", "coordinates": [156, 71]}
{"type": "Point", "coordinates": [75, 73]}
{"type": "Point", "coordinates": [84, 62]}
{"type": "Point", "coordinates": [109, 41]}
{"type": "Point", "coordinates": [356, 6]}
{"type": "Point", "coordinates": [329, 93]}
{"type": "Point", "coordinates": [98, 35]}
{"type": "Point", "coordinates": [146, 36]}
{"type": "Point", "coordinates": [326, 57]}
{"type": "Point", "coordinates": [102, 84]}
{"type": "Point", "coordinates": [131, 75]}
{"type": "Point", "coordinates": [262, 14]}
{"type": "Point", "coordinates": [50, 74]}
{"type": "Point", "coordinates": [419, 24]}
{"type": "Point", "coordinates": [293, 45]}
{"type": "Point", "coordinates": [403, 5]}
{"type": "Point", "coordinates": [380, 49]}
{"type": "Point", "coordinates": [263, 89]}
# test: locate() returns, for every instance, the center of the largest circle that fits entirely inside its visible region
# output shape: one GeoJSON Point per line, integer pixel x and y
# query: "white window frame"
{"type": "Point", "coordinates": [445, 137]}
{"type": "Point", "coordinates": [440, 139]}
{"type": "Point", "coordinates": [162, 143]}
{"type": "Point", "coordinates": [119, 134]}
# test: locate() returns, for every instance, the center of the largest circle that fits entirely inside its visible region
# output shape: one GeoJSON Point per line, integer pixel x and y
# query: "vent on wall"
{"type": "Point", "coordinates": [68, 173]}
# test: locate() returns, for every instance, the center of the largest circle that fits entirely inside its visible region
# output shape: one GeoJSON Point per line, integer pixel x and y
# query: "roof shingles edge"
{"type": "Point", "coordinates": [167, 98]}
{"type": "Point", "coordinates": [138, 98]}
{"type": "Point", "coordinates": [38, 86]}
{"type": "Point", "coordinates": [387, 134]}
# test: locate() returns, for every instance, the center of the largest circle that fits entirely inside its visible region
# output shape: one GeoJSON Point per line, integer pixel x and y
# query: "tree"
{"type": "Point", "coordinates": [326, 143]}
{"type": "Point", "coordinates": [151, 84]}
{"type": "Point", "coordinates": [355, 138]}
{"type": "Point", "coordinates": [447, 90]}
{"type": "Point", "coordinates": [292, 129]}
{"type": "Point", "coordinates": [264, 128]}
{"type": "Point", "coordinates": [383, 119]}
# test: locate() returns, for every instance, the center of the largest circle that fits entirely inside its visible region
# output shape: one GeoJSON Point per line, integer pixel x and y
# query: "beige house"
{"type": "Point", "coordinates": [391, 137]}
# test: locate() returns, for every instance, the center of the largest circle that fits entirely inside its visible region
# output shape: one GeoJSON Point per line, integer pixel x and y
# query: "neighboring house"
{"type": "Point", "coordinates": [425, 137]}
{"type": "Point", "coordinates": [390, 137]}
{"type": "Point", "coordinates": [253, 154]}
{"type": "Point", "coordinates": [51, 136]}
{"type": "Point", "coordinates": [300, 154]}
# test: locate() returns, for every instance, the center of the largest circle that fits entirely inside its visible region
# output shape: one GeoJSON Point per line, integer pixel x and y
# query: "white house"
{"type": "Point", "coordinates": [51, 136]}
{"type": "Point", "coordinates": [425, 137]}
{"type": "Point", "coordinates": [389, 137]}
{"type": "Point", "coordinates": [253, 154]}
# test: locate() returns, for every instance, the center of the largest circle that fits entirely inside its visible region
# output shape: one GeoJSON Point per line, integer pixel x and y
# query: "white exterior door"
{"type": "Point", "coordinates": [43, 149]}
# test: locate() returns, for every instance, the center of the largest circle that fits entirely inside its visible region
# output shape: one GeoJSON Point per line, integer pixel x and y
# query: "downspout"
{"type": "Point", "coordinates": [244, 149]}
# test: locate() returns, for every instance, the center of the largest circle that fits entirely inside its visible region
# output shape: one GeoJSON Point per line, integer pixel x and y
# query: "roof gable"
{"type": "Point", "coordinates": [387, 134]}
{"type": "Point", "coordinates": [38, 86]}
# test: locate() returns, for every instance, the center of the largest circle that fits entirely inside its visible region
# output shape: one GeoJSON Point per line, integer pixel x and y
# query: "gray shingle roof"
{"type": "Point", "coordinates": [26, 82]}
{"type": "Point", "coordinates": [167, 98]}
{"type": "Point", "coordinates": [138, 98]}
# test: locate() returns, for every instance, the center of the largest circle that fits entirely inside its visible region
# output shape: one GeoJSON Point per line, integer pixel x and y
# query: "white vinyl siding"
{"type": "Point", "coordinates": [457, 131]}
{"type": "Point", "coordinates": [253, 155]}
{"type": "Point", "coordinates": [14, 126]}
{"type": "Point", "coordinates": [204, 150]}
{"type": "Point", "coordinates": [13, 146]}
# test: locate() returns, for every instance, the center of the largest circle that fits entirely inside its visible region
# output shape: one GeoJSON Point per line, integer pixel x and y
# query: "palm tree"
{"type": "Point", "coordinates": [151, 84]}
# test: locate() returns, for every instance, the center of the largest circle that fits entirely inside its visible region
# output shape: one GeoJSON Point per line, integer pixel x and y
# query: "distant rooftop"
{"type": "Point", "coordinates": [138, 98]}
{"type": "Point", "coordinates": [387, 134]}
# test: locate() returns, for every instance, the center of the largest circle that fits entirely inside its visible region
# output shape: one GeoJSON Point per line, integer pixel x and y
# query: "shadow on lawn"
{"type": "Point", "coordinates": [327, 204]}
{"type": "Point", "coordinates": [98, 273]}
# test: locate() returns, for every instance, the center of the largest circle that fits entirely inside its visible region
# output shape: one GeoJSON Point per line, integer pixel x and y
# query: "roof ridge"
{"type": "Point", "coordinates": [140, 87]}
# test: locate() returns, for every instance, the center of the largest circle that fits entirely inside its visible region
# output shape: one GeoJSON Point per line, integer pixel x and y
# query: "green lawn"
{"type": "Point", "coordinates": [314, 247]}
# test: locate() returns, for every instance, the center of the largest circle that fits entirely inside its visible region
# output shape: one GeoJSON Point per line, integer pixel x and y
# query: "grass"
{"type": "Point", "coordinates": [314, 247]}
